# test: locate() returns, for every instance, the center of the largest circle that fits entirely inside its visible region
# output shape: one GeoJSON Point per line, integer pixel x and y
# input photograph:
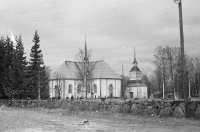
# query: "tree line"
{"type": "Point", "coordinates": [165, 81]}
{"type": "Point", "coordinates": [19, 78]}
{"type": "Point", "coordinates": [166, 78]}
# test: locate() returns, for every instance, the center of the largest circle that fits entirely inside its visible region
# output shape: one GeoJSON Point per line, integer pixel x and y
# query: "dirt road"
{"type": "Point", "coordinates": [26, 120]}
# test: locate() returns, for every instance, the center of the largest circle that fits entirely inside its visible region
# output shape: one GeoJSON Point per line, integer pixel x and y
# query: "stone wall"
{"type": "Point", "coordinates": [162, 108]}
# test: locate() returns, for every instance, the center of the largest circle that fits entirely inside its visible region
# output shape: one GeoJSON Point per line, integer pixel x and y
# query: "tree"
{"type": "Point", "coordinates": [85, 68]}
{"type": "Point", "coordinates": [20, 69]}
{"type": "Point", "coordinates": [147, 82]}
{"type": "Point", "coordinates": [36, 73]}
{"type": "Point", "coordinates": [2, 66]}
{"type": "Point", "coordinates": [124, 83]}
{"type": "Point", "coordinates": [9, 80]}
{"type": "Point", "coordinates": [59, 79]}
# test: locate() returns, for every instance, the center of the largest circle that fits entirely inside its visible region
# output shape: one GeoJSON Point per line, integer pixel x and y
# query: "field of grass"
{"type": "Point", "coordinates": [44, 120]}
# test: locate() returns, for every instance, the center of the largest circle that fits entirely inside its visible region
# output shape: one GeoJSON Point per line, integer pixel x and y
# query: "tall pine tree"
{"type": "Point", "coordinates": [37, 77]}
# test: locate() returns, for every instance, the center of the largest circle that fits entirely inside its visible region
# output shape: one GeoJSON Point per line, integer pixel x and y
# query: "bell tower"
{"type": "Point", "coordinates": [135, 73]}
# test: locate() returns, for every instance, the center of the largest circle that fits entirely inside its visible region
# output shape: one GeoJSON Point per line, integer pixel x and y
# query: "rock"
{"type": "Point", "coordinates": [166, 112]}
{"type": "Point", "coordinates": [182, 105]}
{"type": "Point", "coordinates": [167, 104]}
{"type": "Point", "coordinates": [126, 108]}
{"type": "Point", "coordinates": [192, 106]}
{"type": "Point", "coordinates": [149, 107]}
{"type": "Point", "coordinates": [178, 112]}
{"type": "Point", "coordinates": [135, 109]}
{"type": "Point", "coordinates": [116, 108]}
{"type": "Point", "coordinates": [197, 113]}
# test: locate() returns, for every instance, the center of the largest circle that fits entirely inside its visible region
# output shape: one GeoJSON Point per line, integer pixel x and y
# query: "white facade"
{"type": "Point", "coordinates": [104, 88]}
{"type": "Point", "coordinates": [136, 92]}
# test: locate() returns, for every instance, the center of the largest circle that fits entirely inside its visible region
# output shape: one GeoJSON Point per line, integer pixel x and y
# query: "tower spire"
{"type": "Point", "coordinates": [135, 61]}
{"type": "Point", "coordinates": [85, 57]}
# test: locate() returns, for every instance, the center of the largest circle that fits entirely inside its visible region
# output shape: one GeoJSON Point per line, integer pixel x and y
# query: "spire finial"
{"type": "Point", "coordinates": [135, 61]}
{"type": "Point", "coordinates": [134, 54]}
{"type": "Point", "coordinates": [86, 57]}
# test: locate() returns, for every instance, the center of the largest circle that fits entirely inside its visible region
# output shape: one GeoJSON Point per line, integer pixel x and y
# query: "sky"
{"type": "Point", "coordinates": [112, 28]}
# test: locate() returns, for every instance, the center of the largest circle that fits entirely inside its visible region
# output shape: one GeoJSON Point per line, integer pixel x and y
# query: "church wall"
{"type": "Point", "coordinates": [103, 88]}
{"type": "Point", "coordinates": [50, 89]}
{"type": "Point", "coordinates": [97, 82]}
{"type": "Point", "coordinates": [111, 82]}
{"type": "Point", "coordinates": [138, 92]}
{"type": "Point", "coordinates": [66, 91]}
{"type": "Point", "coordinates": [118, 88]}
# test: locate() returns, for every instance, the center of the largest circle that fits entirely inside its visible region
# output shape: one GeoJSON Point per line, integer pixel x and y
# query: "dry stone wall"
{"type": "Point", "coordinates": [162, 108]}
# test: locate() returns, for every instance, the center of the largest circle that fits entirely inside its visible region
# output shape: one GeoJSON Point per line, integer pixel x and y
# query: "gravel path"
{"type": "Point", "coordinates": [26, 120]}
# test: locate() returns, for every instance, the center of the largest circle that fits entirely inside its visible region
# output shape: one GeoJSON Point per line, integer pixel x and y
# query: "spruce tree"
{"type": "Point", "coordinates": [36, 72]}
{"type": "Point", "coordinates": [20, 69]}
{"type": "Point", "coordinates": [8, 81]}
{"type": "Point", "coordinates": [2, 66]}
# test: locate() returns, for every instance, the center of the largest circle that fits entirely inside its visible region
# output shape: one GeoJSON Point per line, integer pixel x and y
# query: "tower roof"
{"type": "Point", "coordinates": [135, 67]}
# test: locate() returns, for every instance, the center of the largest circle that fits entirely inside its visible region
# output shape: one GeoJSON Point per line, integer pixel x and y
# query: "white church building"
{"type": "Point", "coordinates": [135, 87]}
{"type": "Point", "coordinates": [103, 82]}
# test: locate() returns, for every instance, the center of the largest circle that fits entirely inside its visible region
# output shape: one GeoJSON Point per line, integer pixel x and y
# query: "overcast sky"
{"type": "Point", "coordinates": [113, 28]}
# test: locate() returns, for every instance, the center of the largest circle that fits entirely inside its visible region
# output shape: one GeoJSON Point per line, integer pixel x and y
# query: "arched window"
{"type": "Point", "coordinates": [79, 88]}
{"type": "Point", "coordinates": [95, 88]}
{"type": "Point", "coordinates": [70, 88]}
{"type": "Point", "coordinates": [88, 88]}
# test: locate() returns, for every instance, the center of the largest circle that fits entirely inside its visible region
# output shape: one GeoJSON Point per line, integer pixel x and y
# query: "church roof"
{"type": "Point", "coordinates": [100, 69]}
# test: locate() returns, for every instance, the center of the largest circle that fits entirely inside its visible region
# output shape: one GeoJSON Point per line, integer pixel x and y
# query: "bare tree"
{"type": "Point", "coordinates": [85, 68]}
{"type": "Point", "coordinates": [59, 79]}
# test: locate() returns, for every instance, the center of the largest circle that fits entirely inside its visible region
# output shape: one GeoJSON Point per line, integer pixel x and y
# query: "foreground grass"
{"type": "Point", "coordinates": [45, 120]}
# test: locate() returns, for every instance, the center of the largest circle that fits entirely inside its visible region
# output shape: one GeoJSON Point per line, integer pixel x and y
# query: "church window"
{"type": "Point", "coordinates": [70, 88]}
{"type": "Point", "coordinates": [95, 88]}
{"type": "Point", "coordinates": [79, 88]}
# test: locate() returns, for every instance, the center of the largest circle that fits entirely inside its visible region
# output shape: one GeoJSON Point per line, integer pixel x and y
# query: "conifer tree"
{"type": "Point", "coordinates": [2, 66]}
{"type": "Point", "coordinates": [36, 73]}
{"type": "Point", "coordinates": [20, 69]}
{"type": "Point", "coordinates": [8, 81]}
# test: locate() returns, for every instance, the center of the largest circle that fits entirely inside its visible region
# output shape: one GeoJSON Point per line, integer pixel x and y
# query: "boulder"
{"type": "Point", "coordinates": [167, 104]}
{"type": "Point", "coordinates": [135, 109]}
{"type": "Point", "coordinates": [166, 112]}
{"type": "Point", "coordinates": [126, 108]}
{"type": "Point", "coordinates": [197, 113]}
{"type": "Point", "coordinates": [192, 106]}
{"type": "Point", "coordinates": [182, 105]}
{"type": "Point", "coordinates": [178, 112]}
{"type": "Point", "coordinates": [116, 108]}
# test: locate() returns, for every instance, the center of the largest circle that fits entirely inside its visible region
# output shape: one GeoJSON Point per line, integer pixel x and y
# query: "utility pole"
{"type": "Point", "coordinates": [183, 70]}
